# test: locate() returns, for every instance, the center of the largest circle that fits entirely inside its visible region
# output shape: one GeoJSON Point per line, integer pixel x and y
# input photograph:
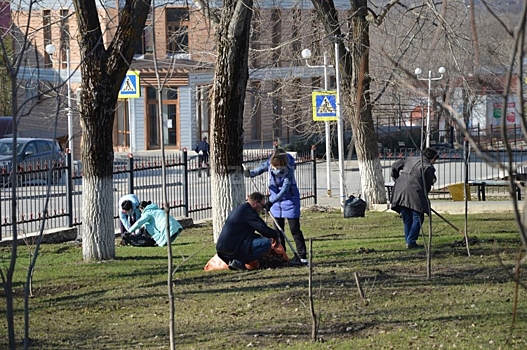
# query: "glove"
{"type": "Point", "coordinates": [247, 173]}
{"type": "Point", "coordinates": [268, 206]}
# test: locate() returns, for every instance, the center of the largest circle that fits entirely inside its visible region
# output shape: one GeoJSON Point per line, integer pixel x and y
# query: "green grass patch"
{"type": "Point", "coordinates": [467, 303]}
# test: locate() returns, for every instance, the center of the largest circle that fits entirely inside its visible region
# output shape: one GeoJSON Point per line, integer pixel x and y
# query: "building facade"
{"type": "Point", "coordinates": [278, 101]}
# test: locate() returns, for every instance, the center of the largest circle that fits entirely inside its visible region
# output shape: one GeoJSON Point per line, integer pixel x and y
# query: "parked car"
{"type": "Point", "coordinates": [34, 157]}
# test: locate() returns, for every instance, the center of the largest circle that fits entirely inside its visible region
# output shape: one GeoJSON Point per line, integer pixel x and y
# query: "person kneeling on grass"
{"type": "Point", "coordinates": [153, 220]}
{"type": "Point", "coordinates": [238, 244]}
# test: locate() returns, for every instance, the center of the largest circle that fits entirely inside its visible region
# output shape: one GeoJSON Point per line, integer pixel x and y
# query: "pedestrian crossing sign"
{"type": "Point", "coordinates": [324, 105]}
{"type": "Point", "coordinates": [130, 87]}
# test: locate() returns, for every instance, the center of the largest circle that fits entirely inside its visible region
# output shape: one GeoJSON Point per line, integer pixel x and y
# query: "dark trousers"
{"type": "Point", "coordinates": [203, 160]}
{"type": "Point", "coordinates": [298, 236]}
{"type": "Point", "coordinates": [413, 220]}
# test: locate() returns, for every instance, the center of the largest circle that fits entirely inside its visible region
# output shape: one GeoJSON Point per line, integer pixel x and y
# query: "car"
{"type": "Point", "coordinates": [34, 156]}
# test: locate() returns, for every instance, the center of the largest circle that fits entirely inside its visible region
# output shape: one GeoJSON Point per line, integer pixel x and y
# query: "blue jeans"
{"type": "Point", "coordinates": [412, 224]}
{"type": "Point", "coordinates": [259, 247]}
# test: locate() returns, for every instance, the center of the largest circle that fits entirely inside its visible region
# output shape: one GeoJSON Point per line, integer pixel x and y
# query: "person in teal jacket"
{"type": "Point", "coordinates": [153, 219]}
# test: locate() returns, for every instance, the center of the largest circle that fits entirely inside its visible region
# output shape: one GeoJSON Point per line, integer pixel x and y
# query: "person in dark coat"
{"type": "Point", "coordinates": [238, 243]}
{"type": "Point", "coordinates": [284, 201]}
{"type": "Point", "coordinates": [414, 177]}
{"type": "Point", "coordinates": [203, 149]}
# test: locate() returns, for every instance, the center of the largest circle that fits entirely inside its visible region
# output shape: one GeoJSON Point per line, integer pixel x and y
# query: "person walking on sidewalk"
{"type": "Point", "coordinates": [414, 177]}
{"type": "Point", "coordinates": [202, 149]}
{"type": "Point", "coordinates": [284, 201]}
{"type": "Point", "coordinates": [238, 244]}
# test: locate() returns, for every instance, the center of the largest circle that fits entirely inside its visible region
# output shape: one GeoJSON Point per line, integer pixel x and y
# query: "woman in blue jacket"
{"type": "Point", "coordinates": [153, 219]}
{"type": "Point", "coordinates": [284, 201]}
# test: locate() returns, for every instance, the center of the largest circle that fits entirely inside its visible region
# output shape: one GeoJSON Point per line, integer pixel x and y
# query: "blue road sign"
{"type": "Point", "coordinates": [131, 87]}
{"type": "Point", "coordinates": [324, 105]}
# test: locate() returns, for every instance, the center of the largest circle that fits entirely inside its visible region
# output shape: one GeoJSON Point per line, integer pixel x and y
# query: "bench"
{"type": "Point", "coordinates": [482, 184]}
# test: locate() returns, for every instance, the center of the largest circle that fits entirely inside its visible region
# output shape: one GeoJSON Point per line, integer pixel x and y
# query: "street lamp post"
{"type": "Point", "coordinates": [417, 73]}
{"type": "Point", "coordinates": [306, 54]}
{"type": "Point", "coordinates": [340, 126]}
{"type": "Point", "coordinates": [50, 49]}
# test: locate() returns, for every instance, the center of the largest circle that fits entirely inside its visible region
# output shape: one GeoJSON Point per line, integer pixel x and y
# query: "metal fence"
{"type": "Point", "coordinates": [451, 168]}
{"type": "Point", "coordinates": [189, 194]}
{"type": "Point", "coordinates": [188, 188]}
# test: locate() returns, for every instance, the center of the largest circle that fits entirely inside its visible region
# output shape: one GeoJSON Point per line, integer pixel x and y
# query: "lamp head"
{"type": "Point", "coordinates": [306, 54]}
{"type": "Point", "coordinates": [417, 71]}
{"type": "Point", "coordinates": [50, 49]}
{"type": "Point", "coordinates": [442, 70]}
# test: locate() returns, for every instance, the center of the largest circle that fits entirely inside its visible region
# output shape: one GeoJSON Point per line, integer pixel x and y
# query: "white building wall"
{"type": "Point", "coordinates": [186, 108]}
{"type": "Point", "coordinates": [137, 126]}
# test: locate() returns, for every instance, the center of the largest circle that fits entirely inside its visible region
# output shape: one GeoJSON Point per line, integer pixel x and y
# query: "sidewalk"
{"type": "Point", "coordinates": [442, 207]}
{"type": "Point", "coordinates": [353, 186]}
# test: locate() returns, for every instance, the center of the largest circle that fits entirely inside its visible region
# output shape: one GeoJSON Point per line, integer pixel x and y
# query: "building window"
{"type": "Point", "coordinates": [277, 112]}
{"type": "Point", "coordinates": [255, 39]}
{"type": "Point", "coordinates": [46, 23]}
{"type": "Point", "coordinates": [256, 111]}
{"type": "Point", "coordinates": [169, 118]}
{"type": "Point", "coordinates": [64, 37]}
{"type": "Point", "coordinates": [276, 36]}
{"type": "Point", "coordinates": [177, 30]}
{"type": "Point", "coordinates": [146, 44]}
{"type": "Point", "coordinates": [296, 36]}
{"type": "Point", "coordinates": [203, 122]}
{"type": "Point", "coordinates": [121, 126]}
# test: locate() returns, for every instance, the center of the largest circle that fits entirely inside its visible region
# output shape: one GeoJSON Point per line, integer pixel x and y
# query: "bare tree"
{"type": "Point", "coordinates": [353, 63]}
{"type": "Point", "coordinates": [232, 29]}
{"type": "Point", "coordinates": [103, 65]}
{"type": "Point", "coordinates": [15, 47]}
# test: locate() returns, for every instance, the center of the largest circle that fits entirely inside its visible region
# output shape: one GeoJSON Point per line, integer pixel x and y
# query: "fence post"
{"type": "Point", "coordinates": [185, 186]}
{"type": "Point", "coordinates": [131, 173]}
{"type": "Point", "coordinates": [314, 159]}
{"type": "Point", "coordinates": [69, 188]}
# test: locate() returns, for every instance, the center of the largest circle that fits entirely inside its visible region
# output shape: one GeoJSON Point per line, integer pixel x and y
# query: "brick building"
{"type": "Point", "coordinates": [278, 101]}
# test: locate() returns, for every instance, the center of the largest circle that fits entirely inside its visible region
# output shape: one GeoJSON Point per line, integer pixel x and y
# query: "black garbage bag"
{"type": "Point", "coordinates": [354, 207]}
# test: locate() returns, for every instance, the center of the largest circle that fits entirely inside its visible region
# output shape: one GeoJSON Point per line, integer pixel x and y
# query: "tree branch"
{"type": "Point", "coordinates": [207, 11]}
{"type": "Point", "coordinates": [379, 18]}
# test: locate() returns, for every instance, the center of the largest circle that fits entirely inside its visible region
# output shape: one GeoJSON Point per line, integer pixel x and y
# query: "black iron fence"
{"type": "Point", "coordinates": [188, 188]}
{"type": "Point", "coordinates": [451, 168]}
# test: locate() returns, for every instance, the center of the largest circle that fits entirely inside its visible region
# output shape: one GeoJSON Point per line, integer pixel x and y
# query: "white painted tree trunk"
{"type": "Point", "coordinates": [228, 96]}
{"type": "Point", "coordinates": [371, 178]}
{"type": "Point", "coordinates": [98, 234]}
{"type": "Point", "coordinates": [228, 192]}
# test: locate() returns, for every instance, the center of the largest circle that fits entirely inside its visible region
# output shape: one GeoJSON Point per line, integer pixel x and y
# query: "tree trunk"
{"type": "Point", "coordinates": [361, 118]}
{"type": "Point", "coordinates": [98, 244]}
{"type": "Point", "coordinates": [228, 96]}
{"type": "Point", "coordinates": [102, 71]}
{"type": "Point", "coordinates": [355, 91]}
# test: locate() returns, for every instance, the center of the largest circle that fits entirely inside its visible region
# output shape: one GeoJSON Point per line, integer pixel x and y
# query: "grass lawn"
{"type": "Point", "coordinates": [467, 303]}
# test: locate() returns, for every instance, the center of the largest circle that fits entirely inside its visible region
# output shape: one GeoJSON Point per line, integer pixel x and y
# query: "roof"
{"type": "Point", "coordinates": [34, 134]}
{"type": "Point", "coordinates": [22, 139]}
{"type": "Point", "coordinates": [168, 65]}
